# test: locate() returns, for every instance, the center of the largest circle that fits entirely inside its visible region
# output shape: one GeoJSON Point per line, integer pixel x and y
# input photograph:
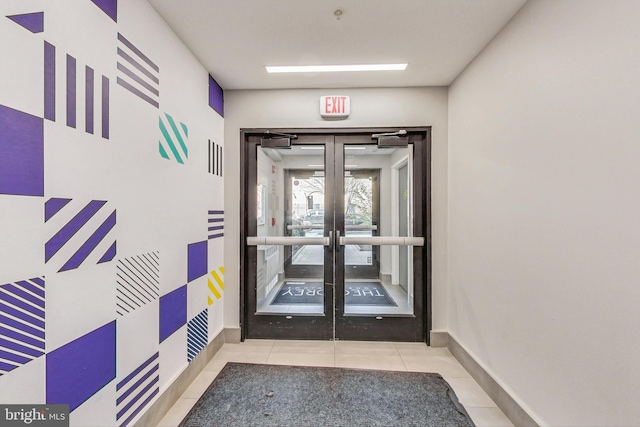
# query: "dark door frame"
{"type": "Point", "coordinates": [422, 202]}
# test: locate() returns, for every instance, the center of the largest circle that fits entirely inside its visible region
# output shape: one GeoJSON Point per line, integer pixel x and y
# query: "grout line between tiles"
{"type": "Point", "coordinates": [401, 358]}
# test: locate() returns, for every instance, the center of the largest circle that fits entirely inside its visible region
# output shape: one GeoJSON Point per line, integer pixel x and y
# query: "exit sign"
{"type": "Point", "coordinates": [335, 106]}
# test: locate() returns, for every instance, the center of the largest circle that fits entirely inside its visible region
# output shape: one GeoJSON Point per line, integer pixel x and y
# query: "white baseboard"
{"type": "Point", "coordinates": [518, 416]}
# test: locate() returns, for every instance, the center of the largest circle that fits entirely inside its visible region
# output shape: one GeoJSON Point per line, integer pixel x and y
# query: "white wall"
{"type": "Point", "coordinates": [369, 107]}
{"type": "Point", "coordinates": [543, 210]}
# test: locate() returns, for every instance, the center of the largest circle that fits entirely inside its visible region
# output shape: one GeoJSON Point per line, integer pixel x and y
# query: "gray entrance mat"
{"type": "Point", "coordinates": [268, 395]}
{"type": "Point", "coordinates": [355, 293]}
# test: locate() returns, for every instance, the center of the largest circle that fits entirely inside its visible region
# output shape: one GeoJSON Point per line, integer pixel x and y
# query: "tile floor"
{"type": "Point", "coordinates": [412, 357]}
{"type": "Point", "coordinates": [404, 304]}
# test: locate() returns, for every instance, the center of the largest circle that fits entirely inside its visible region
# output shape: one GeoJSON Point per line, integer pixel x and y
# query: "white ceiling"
{"type": "Point", "coordinates": [235, 39]}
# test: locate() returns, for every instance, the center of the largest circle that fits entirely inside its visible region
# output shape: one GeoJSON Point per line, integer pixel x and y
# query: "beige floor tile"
{"type": "Point", "coordinates": [302, 359]}
{"type": "Point", "coordinates": [241, 357]}
{"type": "Point", "coordinates": [446, 366]}
{"type": "Point", "coordinates": [215, 365]}
{"type": "Point", "coordinates": [469, 393]}
{"type": "Point", "coordinates": [370, 361]}
{"type": "Point", "coordinates": [177, 413]}
{"type": "Point", "coordinates": [303, 347]}
{"type": "Point", "coordinates": [489, 417]}
{"type": "Point", "coordinates": [419, 349]}
{"type": "Point", "coordinates": [254, 346]}
{"type": "Point", "coordinates": [199, 385]}
{"type": "Point", "coordinates": [366, 347]}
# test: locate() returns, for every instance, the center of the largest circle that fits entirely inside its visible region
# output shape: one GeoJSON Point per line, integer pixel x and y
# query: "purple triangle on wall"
{"type": "Point", "coordinates": [53, 206]}
{"type": "Point", "coordinates": [110, 7]}
{"type": "Point", "coordinates": [33, 22]}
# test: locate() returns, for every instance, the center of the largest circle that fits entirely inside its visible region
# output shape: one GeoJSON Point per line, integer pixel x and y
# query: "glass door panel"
{"type": "Point", "coordinates": [290, 215]}
{"type": "Point", "coordinates": [377, 278]}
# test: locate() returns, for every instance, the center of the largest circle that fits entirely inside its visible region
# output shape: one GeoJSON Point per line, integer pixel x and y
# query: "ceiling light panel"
{"type": "Point", "coordinates": [334, 68]}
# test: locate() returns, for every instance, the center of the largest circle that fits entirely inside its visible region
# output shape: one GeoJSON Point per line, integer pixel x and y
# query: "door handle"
{"type": "Point", "coordinates": [338, 240]}
{"type": "Point", "coordinates": [382, 241]}
{"type": "Point", "coordinates": [287, 241]}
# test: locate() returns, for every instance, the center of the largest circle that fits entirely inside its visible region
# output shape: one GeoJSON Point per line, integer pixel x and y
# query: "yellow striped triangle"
{"type": "Point", "coordinates": [218, 279]}
{"type": "Point", "coordinates": [213, 289]}
{"type": "Point", "coordinates": [221, 269]}
{"type": "Point", "coordinates": [209, 300]}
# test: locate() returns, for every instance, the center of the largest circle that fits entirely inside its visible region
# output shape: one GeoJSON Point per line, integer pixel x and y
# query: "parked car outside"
{"type": "Point", "coordinates": [315, 216]}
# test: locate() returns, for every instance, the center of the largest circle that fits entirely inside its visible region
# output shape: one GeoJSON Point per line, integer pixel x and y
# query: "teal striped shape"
{"type": "Point", "coordinates": [173, 143]}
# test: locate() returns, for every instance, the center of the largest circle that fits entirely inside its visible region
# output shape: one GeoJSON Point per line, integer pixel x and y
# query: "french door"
{"type": "Point", "coordinates": [336, 234]}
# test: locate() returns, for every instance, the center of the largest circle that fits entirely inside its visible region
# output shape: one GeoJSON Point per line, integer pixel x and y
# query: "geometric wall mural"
{"type": "Point", "coordinates": [197, 336]}
{"type": "Point", "coordinates": [49, 81]}
{"type": "Point", "coordinates": [216, 224]}
{"type": "Point", "coordinates": [22, 323]}
{"type": "Point", "coordinates": [33, 22]}
{"type": "Point", "coordinates": [79, 218]}
{"type": "Point", "coordinates": [21, 153]}
{"type": "Point", "coordinates": [215, 158]}
{"type": "Point", "coordinates": [173, 312]}
{"type": "Point", "coordinates": [137, 73]}
{"type": "Point", "coordinates": [196, 260]}
{"type": "Point", "coordinates": [92, 73]}
{"type": "Point", "coordinates": [79, 369]}
{"type": "Point", "coordinates": [136, 391]}
{"type": "Point", "coordinates": [217, 286]}
{"type": "Point", "coordinates": [138, 282]}
{"type": "Point", "coordinates": [94, 86]}
{"type": "Point", "coordinates": [216, 96]}
{"type": "Point", "coordinates": [172, 144]}
{"type": "Point", "coordinates": [110, 7]}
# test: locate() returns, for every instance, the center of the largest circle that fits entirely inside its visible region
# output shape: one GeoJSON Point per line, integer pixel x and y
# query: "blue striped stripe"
{"type": "Point", "coordinates": [196, 335]}
{"type": "Point", "coordinates": [138, 396]}
{"type": "Point", "coordinates": [38, 281]}
{"type": "Point", "coordinates": [17, 347]}
{"type": "Point", "coordinates": [219, 227]}
{"type": "Point", "coordinates": [24, 295]}
{"type": "Point", "coordinates": [137, 65]}
{"type": "Point", "coordinates": [140, 408]}
{"type": "Point", "coordinates": [22, 338]}
{"type": "Point", "coordinates": [199, 335]}
{"type": "Point", "coordinates": [53, 206]}
{"type": "Point", "coordinates": [137, 384]}
{"type": "Point", "coordinates": [91, 243]}
{"type": "Point", "coordinates": [21, 326]}
{"type": "Point", "coordinates": [71, 228]}
{"type": "Point", "coordinates": [216, 220]}
{"type": "Point", "coordinates": [6, 367]}
{"type": "Point", "coordinates": [18, 303]}
{"type": "Point", "coordinates": [198, 326]}
{"type": "Point", "coordinates": [216, 212]}
{"type": "Point", "coordinates": [35, 289]}
{"type": "Point", "coordinates": [197, 339]}
{"type": "Point", "coordinates": [201, 323]}
{"type": "Point", "coordinates": [193, 349]}
{"type": "Point", "coordinates": [14, 357]}
{"type": "Point", "coordinates": [138, 80]}
{"type": "Point", "coordinates": [137, 371]}
{"type": "Point", "coordinates": [215, 236]}
{"type": "Point", "coordinates": [138, 52]}
{"type": "Point", "coordinates": [21, 315]}
{"type": "Point", "coordinates": [128, 86]}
